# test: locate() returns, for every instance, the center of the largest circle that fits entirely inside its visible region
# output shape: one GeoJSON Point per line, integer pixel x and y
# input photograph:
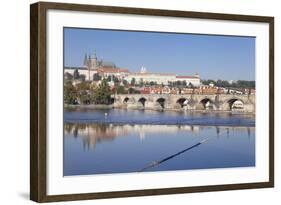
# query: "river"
{"type": "Point", "coordinates": [123, 141]}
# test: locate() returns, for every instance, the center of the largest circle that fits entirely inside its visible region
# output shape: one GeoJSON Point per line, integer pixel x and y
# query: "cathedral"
{"type": "Point", "coordinates": [92, 66]}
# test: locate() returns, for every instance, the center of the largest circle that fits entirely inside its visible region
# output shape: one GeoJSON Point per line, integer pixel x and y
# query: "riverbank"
{"type": "Point", "coordinates": [180, 110]}
{"type": "Point", "coordinates": [92, 106]}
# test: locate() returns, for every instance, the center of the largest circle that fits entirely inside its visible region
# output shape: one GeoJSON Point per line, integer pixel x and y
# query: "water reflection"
{"type": "Point", "coordinates": [125, 141]}
{"type": "Point", "coordinates": [92, 134]}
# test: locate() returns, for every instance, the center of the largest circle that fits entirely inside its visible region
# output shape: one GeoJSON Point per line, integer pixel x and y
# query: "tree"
{"type": "Point", "coordinates": [178, 83]}
{"type": "Point", "coordinates": [208, 82]}
{"type": "Point", "coordinates": [83, 86]}
{"type": "Point", "coordinates": [151, 83]}
{"type": "Point", "coordinates": [109, 78]}
{"type": "Point", "coordinates": [82, 77]}
{"type": "Point", "coordinates": [244, 84]}
{"type": "Point", "coordinates": [70, 94]}
{"type": "Point", "coordinates": [102, 94]}
{"type": "Point", "coordinates": [133, 91]}
{"type": "Point", "coordinates": [125, 82]}
{"type": "Point", "coordinates": [115, 80]}
{"type": "Point", "coordinates": [84, 91]}
{"type": "Point", "coordinates": [133, 81]}
{"type": "Point", "coordinates": [141, 82]}
{"type": "Point", "coordinates": [222, 83]}
{"type": "Point", "coordinates": [96, 77]}
{"type": "Point", "coordinates": [120, 90]}
{"type": "Point", "coordinates": [84, 97]}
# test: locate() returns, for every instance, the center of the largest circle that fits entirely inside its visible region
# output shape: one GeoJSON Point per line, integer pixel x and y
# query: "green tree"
{"type": "Point", "coordinates": [244, 84]}
{"type": "Point", "coordinates": [82, 77]}
{"type": "Point", "coordinates": [133, 91]}
{"type": "Point", "coordinates": [70, 93]}
{"type": "Point", "coordinates": [96, 77]}
{"type": "Point", "coordinates": [120, 90]}
{"type": "Point", "coordinates": [178, 83]}
{"type": "Point", "coordinates": [115, 80]}
{"type": "Point", "coordinates": [83, 90]}
{"type": "Point", "coordinates": [83, 86]}
{"type": "Point", "coordinates": [207, 82]}
{"type": "Point", "coordinates": [102, 94]}
{"type": "Point", "coordinates": [125, 82]}
{"type": "Point", "coordinates": [109, 78]}
{"type": "Point", "coordinates": [141, 82]}
{"type": "Point", "coordinates": [85, 97]}
{"type": "Point", "coordinates": [133, 81]}
{"type": "Point", "coordinates": [222, 83]}
{"type": "Point", "coordinates": [151, 83]}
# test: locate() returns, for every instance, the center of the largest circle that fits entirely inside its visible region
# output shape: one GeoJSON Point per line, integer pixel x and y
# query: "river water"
{"type": "Point", "coordinates": [122, 141]}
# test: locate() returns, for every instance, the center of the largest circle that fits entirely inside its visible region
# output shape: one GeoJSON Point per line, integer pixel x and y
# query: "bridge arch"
{"type": "Point", "coordinates": [142, 101]}
{"type": "Point", "coordinates": [112, 100]}
{"type": "Point", "coordinates": [206, 104]}
{"type": "Point", "coordinates": [161, 102]}
{"type": "Point", "coordinates": [182, 102]}
{"type": "Point", "coordinates": [126, 99]}
{"type": "Point", "coordinates": [235, 104]}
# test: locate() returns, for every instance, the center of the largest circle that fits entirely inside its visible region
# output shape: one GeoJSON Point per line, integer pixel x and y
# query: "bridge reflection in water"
{"type": "Point", "coordinates": [108, 148]}
{"type": "Point", "coordinates": [93, 134]}
{"type": "Point", "coordinates": [124, 141]}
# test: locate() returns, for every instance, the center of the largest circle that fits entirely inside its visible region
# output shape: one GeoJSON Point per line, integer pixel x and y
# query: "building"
{"type": "Point", "coordinates": [93, 66]}
{"type": "Point", "coordinates": [106, 72]}
{"type": "Point", "coordinates": [193, 80]}
{"type": "Point", "coordinates": [161, 78]}
{"type": "Point", "coordinates": [150, 77]}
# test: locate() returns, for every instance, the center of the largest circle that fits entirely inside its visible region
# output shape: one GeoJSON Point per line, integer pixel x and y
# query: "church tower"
{"type": "Point", "coordinates": [86, 62]}
{"type": "Point", "coordinates": [94, 61]}
{"type": "Point", "coordinates": [143, 70]}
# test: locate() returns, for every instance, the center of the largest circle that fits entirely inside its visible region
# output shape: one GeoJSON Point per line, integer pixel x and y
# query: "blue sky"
{"type": "Point", "coordinates": [213, 57]}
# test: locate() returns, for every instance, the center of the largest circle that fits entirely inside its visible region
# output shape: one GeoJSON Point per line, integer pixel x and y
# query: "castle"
{"type": "Point", "coordinates": [93, 66]}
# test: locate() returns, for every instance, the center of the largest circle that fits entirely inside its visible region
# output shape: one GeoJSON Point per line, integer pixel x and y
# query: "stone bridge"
{"type": "Point", "coordinates": [220, 102]}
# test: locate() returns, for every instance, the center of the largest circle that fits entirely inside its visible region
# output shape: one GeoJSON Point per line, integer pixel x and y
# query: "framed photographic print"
{"type": "Point", "coordinates": [134, 102]}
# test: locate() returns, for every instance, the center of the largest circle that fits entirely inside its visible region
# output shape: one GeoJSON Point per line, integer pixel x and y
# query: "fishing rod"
{"type": "Point", "coordinates": [156, 163]}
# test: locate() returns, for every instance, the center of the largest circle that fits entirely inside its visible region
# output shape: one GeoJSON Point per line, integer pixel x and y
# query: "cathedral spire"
{"type": "Point", "coordinates": [95, 54]}
{"type": "Point", "coordinates": [85, 63]}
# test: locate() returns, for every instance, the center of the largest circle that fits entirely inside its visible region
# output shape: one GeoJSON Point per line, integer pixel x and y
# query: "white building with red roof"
{"type": "Point", "coordinates": [162, 78]}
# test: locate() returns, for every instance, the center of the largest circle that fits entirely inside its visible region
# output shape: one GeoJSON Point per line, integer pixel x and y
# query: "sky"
{"type": "Point", "coordinates": [211, 56]}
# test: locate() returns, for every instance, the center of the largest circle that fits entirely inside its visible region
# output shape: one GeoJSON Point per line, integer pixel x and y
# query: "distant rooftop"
{"type": "Point", "coordinates": [113, 70]}
{"type": "Point", "coordinates": [187, 76]}
{"type": "Point", "coordinates": [160, 74]}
